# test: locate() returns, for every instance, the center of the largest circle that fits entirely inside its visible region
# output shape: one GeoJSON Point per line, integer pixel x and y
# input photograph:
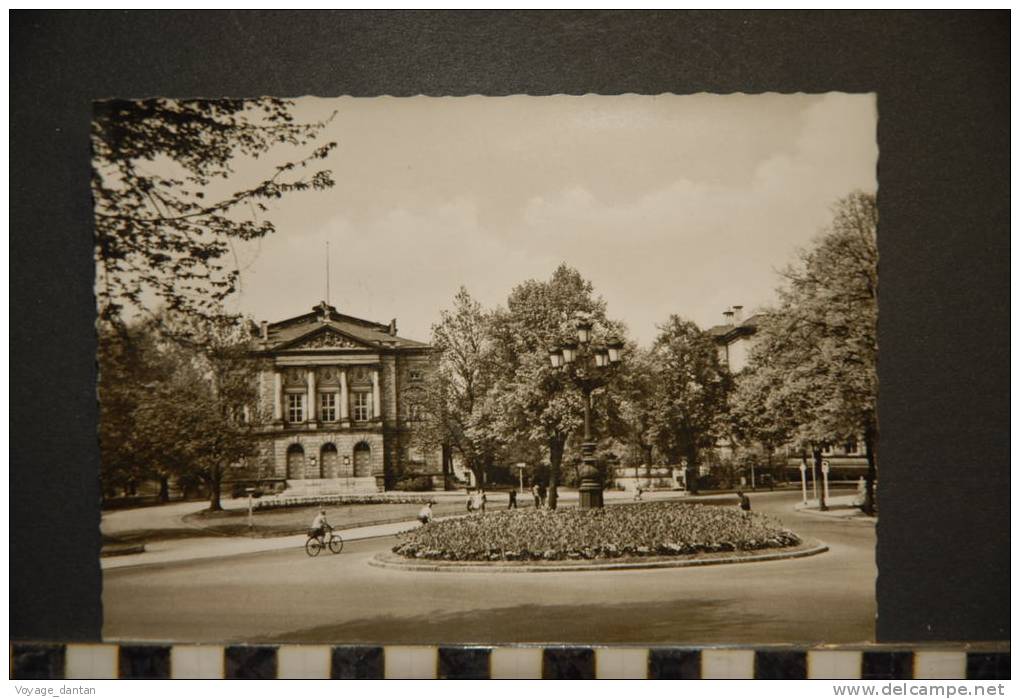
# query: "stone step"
{"type": "Point", "coordinates": [330, 486]}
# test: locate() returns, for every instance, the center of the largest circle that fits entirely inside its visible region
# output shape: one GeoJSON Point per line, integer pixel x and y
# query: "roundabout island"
{"type": "Point", "coordinates": [640, 535]}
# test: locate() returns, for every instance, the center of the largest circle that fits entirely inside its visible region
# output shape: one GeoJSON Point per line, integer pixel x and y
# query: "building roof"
{"type": "Point", "coordinates": [726, 332]}
{"type": "Point", "coordinates": [288, 334]}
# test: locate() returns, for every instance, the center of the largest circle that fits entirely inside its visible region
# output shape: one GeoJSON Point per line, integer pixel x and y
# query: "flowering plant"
{"type": "Point", "coordinates": [639, 529]}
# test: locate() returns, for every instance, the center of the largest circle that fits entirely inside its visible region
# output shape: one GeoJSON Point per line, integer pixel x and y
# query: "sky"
{"type": "Point", "coordinates": [668, 204]}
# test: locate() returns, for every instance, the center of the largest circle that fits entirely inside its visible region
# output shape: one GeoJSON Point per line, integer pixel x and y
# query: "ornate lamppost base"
{"type": "Point", "coordinates": [591, 480]}
{"type": "Point", "coordinates": [591, 494]}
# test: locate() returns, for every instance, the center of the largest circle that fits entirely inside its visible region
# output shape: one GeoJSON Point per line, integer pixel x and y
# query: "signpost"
{"type": "Point", "coordinates": [520, 472]}
{"type": "Point", "coordinates": [251, 516]}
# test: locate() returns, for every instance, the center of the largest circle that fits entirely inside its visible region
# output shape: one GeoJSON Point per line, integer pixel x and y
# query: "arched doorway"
{"type": "Point", "coordinates": [295, 462]}
{"type": "Point", "coordinates": [362, 460]}
{"type": "Point", "coordinates": [329, 461]}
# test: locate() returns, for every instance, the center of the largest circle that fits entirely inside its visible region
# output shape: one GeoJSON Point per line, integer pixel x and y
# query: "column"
{"type": "Point", "coordinates": [277, 396]}
{"type": "Point", "coordinates": [310, 416]}
{"type": "Point", "coordinates": [344, 407]}
{"type": "Point", "coordinates": [376, 398]}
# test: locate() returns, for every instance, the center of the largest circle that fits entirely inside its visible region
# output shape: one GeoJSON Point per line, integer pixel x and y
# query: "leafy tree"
{"type": "Point", "coordinates": [457, 405]}
{"type": "Point", "coordinates": [169, 409]}
{"type": "Point", "coordinates": [815, 359]}
{"type": "Point", "coordinates": [167, 235]}
{"type": "Point", "coordinates": [691, 393]}
{"type": "Point", "coordinates": [126, 370]}
{"type": "Point", "coordinates": [636, 423]}
{"type": "Point", "coordinates": [535, 402]}
{"type": "Point", "coordinates": [755, 421]}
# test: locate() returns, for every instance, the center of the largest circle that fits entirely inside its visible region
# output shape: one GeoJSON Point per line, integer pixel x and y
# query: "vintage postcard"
{"type": "Point", "coordinates": [564, 369]}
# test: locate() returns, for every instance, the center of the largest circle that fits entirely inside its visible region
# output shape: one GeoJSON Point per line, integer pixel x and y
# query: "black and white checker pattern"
{"type": "Point", "coordinates": [150, 661]}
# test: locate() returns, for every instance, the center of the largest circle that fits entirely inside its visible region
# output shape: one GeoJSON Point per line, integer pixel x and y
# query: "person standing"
{"type": "Point", "coordinates": [745, 502]}
{"type": "Point", "coordinates": [541, 494]}
{"type": "Point", "coordinates": [512, 505]}
{"type": "Point", "coordinates": [536, 493]}
{"type": "Point", "coordinates": [481, 500]}
{"type": "Point", "coordinates": [425, 514]}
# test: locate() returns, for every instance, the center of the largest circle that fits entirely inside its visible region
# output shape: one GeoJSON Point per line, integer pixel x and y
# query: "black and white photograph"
{"type": "Point", "coordinates": [523, 369]}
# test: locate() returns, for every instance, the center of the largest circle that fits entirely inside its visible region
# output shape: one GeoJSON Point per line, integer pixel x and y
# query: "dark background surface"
{"type": "Point", "coordinates": [943, 92]}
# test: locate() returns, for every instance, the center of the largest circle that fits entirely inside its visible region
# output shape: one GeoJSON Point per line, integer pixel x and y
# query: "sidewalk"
{"type": "Point", "coordinates": [840, 507]}
{"type": "Point", "coordinates": [220, 547]}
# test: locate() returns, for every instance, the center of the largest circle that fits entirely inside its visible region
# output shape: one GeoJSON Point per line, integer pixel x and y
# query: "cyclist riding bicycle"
{"type": "Point", "coordinates": [319, 526]}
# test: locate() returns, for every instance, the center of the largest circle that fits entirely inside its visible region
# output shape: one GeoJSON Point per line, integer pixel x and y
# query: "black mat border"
{"type": "Point", "coordinates": [942, 80]}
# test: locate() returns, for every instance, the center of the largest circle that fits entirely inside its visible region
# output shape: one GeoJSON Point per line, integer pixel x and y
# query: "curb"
{"type": "Point", "coordinates": [856, 517]}
{"type": "Point", "coordinates": [394, 562]}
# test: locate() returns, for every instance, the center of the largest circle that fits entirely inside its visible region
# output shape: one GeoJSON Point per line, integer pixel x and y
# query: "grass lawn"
{"type": "Point", "coordinates": [296, 520]}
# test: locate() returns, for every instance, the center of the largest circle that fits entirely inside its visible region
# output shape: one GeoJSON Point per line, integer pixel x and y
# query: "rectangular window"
{"type": "Point", "coordinates": [362, 406]}
{"type": "Point", "coordinates": [327, 407]}
{"type": "Point", "coordinates": [295, 407]}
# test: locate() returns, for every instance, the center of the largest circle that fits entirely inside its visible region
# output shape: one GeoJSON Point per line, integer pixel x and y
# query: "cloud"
{"type": "Point", "coordinates": [663, 217]}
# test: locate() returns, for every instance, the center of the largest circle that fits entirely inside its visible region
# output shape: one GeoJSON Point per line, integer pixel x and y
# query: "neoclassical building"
{"type": "Point", "coordinates": [340, 396]}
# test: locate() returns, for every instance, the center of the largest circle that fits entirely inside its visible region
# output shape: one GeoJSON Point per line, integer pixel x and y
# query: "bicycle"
{"type": "Point", "coordinates": [317, 542]}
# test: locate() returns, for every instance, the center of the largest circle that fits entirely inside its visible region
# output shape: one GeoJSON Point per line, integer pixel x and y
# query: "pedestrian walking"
{"type": "Point", "coordinates": [536, 493]}
{"type": "Point", "coordinates": [637, 492]}
{"type": "Point", "coordinates": [541, 494]}
{"type": "Point", "coordinates": [481, 500]}
{"type": "Point", "coordinates": [470, 501]}
{"type": "Point", "coordinates": [512, 504]}
{"type": "Point", "coordinates": [745, 502]}
{"type": "Point", "coordinates": [425, 514]}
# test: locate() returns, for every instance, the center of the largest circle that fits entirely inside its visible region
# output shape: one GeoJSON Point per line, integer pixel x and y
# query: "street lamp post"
{"type": "Point", "coordinates": [593, 368]}
{"type": "Point", "coordinates": [825, 485]}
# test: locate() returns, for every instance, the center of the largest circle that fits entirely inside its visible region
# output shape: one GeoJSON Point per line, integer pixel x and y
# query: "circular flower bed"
{"type": "Point", "coordinates": [640, 529]}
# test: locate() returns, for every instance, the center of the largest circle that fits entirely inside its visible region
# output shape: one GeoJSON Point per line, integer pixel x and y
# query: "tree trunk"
{"type": "Point", "coordinates": [556, 445]}
{"type": "Point", "coordinates": [648, 464]}
{"type": "Point", "coordinates": [870, 445]}
{"type": "Point", "coordinates": [479, 473]}
{"type": "Point", "coordinates": [214, 489]}
{"type": "Point", "coordinates": [447, 467]}
{"type": "Point", "coordinates": [816, 453]}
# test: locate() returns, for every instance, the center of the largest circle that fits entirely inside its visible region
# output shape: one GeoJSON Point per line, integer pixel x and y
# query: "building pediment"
{"type": "Point", "coordinates": [326, 339]}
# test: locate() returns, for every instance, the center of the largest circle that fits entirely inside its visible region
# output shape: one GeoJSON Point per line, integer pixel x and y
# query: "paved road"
{"type": "Point", "coordinates": [283, 596]}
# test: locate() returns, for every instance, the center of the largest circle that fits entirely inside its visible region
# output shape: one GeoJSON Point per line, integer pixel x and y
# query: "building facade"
{"type": "Point", "coordinates": [338, 400]}
{"type": "Point", "coordinates": [734, 339]}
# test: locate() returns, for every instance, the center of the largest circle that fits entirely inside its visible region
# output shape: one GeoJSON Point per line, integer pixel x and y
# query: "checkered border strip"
{"type": "Point", "coordinates": [150, 661]}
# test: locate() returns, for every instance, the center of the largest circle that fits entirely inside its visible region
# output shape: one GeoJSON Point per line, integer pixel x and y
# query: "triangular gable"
{"type": "Point", "coordinates": [325, 338]}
